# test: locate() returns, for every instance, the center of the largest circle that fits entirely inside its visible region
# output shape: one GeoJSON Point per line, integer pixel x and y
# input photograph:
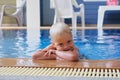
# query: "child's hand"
{"type": "Point", "coordinates": [49, 52]}
{"type": "Point", "coordinates": [44, 50]}
{"type": "Point", "coordinates": [38, 54]}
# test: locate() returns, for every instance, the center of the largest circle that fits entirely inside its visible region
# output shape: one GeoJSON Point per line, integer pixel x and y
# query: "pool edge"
{"type": "Point", "coordinates": [27, 62]}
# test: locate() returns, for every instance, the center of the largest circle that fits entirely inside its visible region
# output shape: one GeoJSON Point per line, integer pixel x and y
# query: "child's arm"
{"type": "Point", "coordinates": [41, 53]}
{"type": "Point", "coordinates": [69, 55]}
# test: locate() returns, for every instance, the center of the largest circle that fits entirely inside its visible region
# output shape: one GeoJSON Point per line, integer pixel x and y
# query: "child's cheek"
{"type": "Point", "coordinates": [59, 48]}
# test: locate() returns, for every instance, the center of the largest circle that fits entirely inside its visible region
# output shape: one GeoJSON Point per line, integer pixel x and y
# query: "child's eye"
{"type": "Point", "coordinates": [60, 44]}
{"type": "Point", "coordinates": [69, 41]}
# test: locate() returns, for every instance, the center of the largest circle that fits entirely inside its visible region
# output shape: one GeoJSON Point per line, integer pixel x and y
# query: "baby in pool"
{"type": "Point", "coordinates": [62, 46]}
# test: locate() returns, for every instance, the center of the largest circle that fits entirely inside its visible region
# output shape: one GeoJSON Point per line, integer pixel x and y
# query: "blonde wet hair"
{"type": "Point", "coordinates": [59, 30]}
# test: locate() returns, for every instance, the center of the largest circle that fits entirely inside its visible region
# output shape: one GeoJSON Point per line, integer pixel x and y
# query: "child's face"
{"type": "Point", "coordinates": [64, 43]}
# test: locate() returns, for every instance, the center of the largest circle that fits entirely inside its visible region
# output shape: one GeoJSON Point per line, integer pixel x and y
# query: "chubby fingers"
{"type": "Point", "coordinates": [48, 53]}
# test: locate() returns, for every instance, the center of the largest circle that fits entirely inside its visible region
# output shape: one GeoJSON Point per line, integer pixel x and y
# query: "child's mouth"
{"type": "Point", "coordinates": [68, 49]}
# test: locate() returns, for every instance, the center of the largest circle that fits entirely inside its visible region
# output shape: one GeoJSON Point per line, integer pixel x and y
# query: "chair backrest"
{"type": "Point", "coordinates": [63, 8]}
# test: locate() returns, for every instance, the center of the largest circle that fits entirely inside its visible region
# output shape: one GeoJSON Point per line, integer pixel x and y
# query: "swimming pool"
{"type": "Point", "coordinates": [17, 44]}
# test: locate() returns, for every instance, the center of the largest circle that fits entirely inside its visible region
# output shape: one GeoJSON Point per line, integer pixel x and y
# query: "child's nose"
{"type": "Point", "coordinates": [67, 48]}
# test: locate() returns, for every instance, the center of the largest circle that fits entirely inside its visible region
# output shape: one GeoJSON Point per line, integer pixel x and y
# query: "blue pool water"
{"type": "Point", "coordinates": [17, 44]}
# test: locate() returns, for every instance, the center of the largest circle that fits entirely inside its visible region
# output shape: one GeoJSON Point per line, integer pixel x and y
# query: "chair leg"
{"type": "Point", "coordinates": [83, 24]}
{"type": "Point", "coordinates": [83, 17]}
{"type": "Point", "coordinates": [1, 15]}
{"type": "Point", "coordinates": [55, 19]}
{"type": "Point", "coordinates": [74, 25]}
{"type": "Point", "coordinates": [100, 21]}
{"type": "Point", "coordinates": [19, 21]}
{"type": "Point", "coordinates": [0, 20]}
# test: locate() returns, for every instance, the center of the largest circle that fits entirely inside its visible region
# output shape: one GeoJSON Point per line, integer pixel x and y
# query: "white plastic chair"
{"type": "Point", "coordinates": [64, 9]}
{"type": "Point", "coordinates": [101, 13]}
{"type": "Point", "coordinates": [18, 14]}
{"type": "Point", "coordinates": [1, 16]}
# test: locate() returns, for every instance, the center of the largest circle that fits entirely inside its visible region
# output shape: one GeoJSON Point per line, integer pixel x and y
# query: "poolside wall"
{"type": "Point", "coordinates": [47, 14]}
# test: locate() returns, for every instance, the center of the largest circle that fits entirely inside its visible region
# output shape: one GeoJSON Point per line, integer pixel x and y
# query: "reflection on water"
{"type": "Point", "coordinates": [22, 44]}
{"type": "Point", "coordinates": [15, 43]}
{"type": "Point", "coordinates": [33, 40]}
{"type": "Point", "coordinates": [1, 34]}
